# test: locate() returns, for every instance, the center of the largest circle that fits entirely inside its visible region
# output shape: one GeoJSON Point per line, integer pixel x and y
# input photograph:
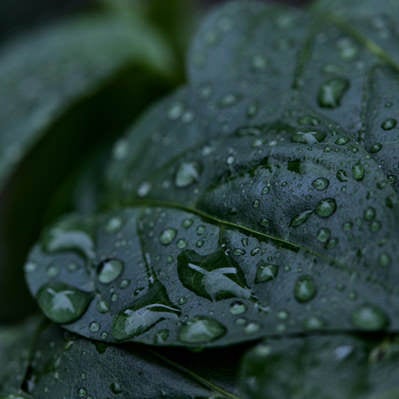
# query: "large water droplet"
{"type": "Point", "coordinates": [331, 92]}
{"type": "Point", "coordinates": [326, 207]}
{"type": "Point", "coordinates": [109, 270]}
{"type": "Point", "coordinates": [201, 330]}
{"type": "Point", "coordinates": [62, 303]}
{"type": "Point", "coordinates": [305, 289]}
{"type": "Point", "coordinates": [237, 308]}
{"type": "Point", "coordinates": [215, 276]}
{"type": "Point", "coordinates": [187, 174]}
{"type": "Point", "coordinates": [370, 318]}
{"type": "Point", "coordinates": [152, 308]}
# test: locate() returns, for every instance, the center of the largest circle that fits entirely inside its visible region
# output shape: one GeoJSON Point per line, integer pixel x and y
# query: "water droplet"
{"type": "Point", "coordinates": [94, 327]}
{"type": "Point", "coordinates": [347, 49]}
{"type": "Point", "coordinates": [331, 92]}
{"type": "Point", "coordinates": [215, 276]}
{"type": "Point", "coordinates": [301, 218]}
{"type": "Point", "coordinates": [187, 174]}
{"type": "Point", "coordinates": [152, 308]}
{"type": "Point", "coordinates": [342, 176]}
{"type": "Point", "coordinates": [259, 62]}
{"type": "Point", "coordinates": [389, 124]}
{"type": "Point", "coordinates": [369, 214]}
{"type": "Point", "coordinates": [30, 267]}
{"type": "Point", "coordinates": [201, 330]}
{"type": "Point", "coordinates": [358, 171]}
{"type": "Point", "coordinates": [305, 289]}
{"type": "Point", "coordinates": [323, 235]}
{"type": "Point", "coordinates": [320, 184]}
{"type": "Point", "coordinates": [370, 318]}
{"type": "Point", "coordinates": [62, 303]}
{"type": "Point", "coordinates": [161, 337]}
{"type": "Point", "coordinates": [266, 272]}
{"type": "Point", "coordinates": [144, 189]}
{"type": "Point", "coordinates": [116, 388]}
{"type": "Point", "coordinates": [167, 236]}
{"type": "Point", "coordinates": [252, 328]}
{"type": "Point", "coordinates": [237, 308]}
{"type": "Point", "coordinates": [229, 100]}
{"type": "Point", "coordinates": [313, 323]}
{"type": "Point", "coordinates": [310, 137]}
{"type": "Point", "coordinates": [109, 270]}
{"type": "Point", "coordinates": [113, 225]}
{"type": "Point", "coordinates": [384, 260]}
{"type": "Point", "coordinates": [326, 207]}
{"type": "Point", "coordinates": [282, 315]}
{"type": "Point", "coordinates": [175, 111]}
{"type": "Point", "coordinates": [102, 306]}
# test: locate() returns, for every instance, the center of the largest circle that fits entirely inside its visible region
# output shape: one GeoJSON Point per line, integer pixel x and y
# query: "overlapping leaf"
{"type": "Point", "coordinates": [66, 366]}
{"type": "Point", "coordinates": [328, 367]}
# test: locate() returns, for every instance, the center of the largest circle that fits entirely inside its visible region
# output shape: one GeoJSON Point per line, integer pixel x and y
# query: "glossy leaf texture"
{"type": "Point", "coordinates": [252, 209]}
{"type": "Point", "coordinates": [311, 366]}
{"type": "Point", "coordinates": [65, 89]}
{"type": "Point", "coordinates": [16, 343]}
{"type": "Point", "coordinates": [66, 366]}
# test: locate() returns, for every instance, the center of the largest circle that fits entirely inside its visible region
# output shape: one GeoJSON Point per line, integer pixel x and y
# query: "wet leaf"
{"type": "Point", "coordinates": [311, 366]}
{"type": "Point", "coordinates": [66, 365]}
{"type": "Point", "coordinates": [16, 344]}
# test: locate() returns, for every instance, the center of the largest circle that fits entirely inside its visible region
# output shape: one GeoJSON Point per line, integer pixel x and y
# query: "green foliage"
{"type": "Point", "coordinates": [259, 201]}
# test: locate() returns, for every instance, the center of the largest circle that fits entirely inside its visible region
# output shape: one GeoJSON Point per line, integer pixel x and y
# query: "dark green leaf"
{"type": "Point", "coordinates": [64, 89]}
{"type": "Point", "coordinates": [67, 366]}
{"type": "Point", "coordinates": [329, 367]}
{"type": "Point", "coordinates": [16, 344]}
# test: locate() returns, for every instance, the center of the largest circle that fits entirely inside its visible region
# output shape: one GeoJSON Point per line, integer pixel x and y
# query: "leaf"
{"type": "Point", "coordinates": [68, 365]}
{"type": "Point", "coordinates": [295, 214]}
{"type": "Point", "coordinates": [59, 87]}
{"type": "Point", "coordinates": [306, 367]}
{"type": "Point", "coordinates": [16, 343]}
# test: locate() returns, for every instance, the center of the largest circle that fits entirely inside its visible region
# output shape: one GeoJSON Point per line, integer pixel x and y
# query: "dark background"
{"type": "Point", "coordinates": [20, 15]}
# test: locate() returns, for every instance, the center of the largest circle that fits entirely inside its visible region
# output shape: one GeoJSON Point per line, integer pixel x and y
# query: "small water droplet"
{"type": "Point", "coordinates": [266, 272]}
{"type": "Point", "coordinates": [237, 308]}
{"type": "Point", "coordinates": [389, 124]}
{"type": "Point", "coordinates": [113, 225]}
{"type": "Point", "coordinates": [175, 111]}
{"type": "Point", "coordinates": [187, 174]}
{"type": "Point", "coordinates": [201, 330]}
{"type": "Point", "coordinates": [167, 236]}
{"type": "Point", "coordinates": [305, 289]}
{"type": "Point", "coordinates": [144, 189]}
{"type": "Point", "coordinates": [313, 323]}
{"type": "Point", "coordinates": [370, 318]}
{"type": "Point", "coordinates": [358, 171]}
{"type": "Point", "coordinates": [116, 388]}
{"type": "Point", "coordinates": [301, 218]}
{"type": "Point", "coordinates": [326, 207]}
{"type": "Point", "coordinates": [109, 270]}
{"type": "Point", "coordinates": [320, 184]}
{"type": "Point", "coordinates": [94, 327]}
{"type": "Point", "coordinates": [323, 235]}
{"type": "Point", "coordinates": [252, 328]}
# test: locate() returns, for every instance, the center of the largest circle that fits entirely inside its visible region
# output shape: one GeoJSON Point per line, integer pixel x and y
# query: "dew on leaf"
{"type": "Point", "coordinates": [251, 328]}
{"type": "Point", "coordinates": [215, 276]}
{"type": "Point", "coordinates": [201, 330]}
{"type": "Point", "coordinates": [109, 270]}
{"type": "Point", "coordinates": [332, 92]}
{"type": "Point", "coordinates": [62, 303]}
{"type": "Point", "coordinates": [369, 214]}
{"type": "Point", "coordinates": [358, 171]}
{"type": "Point", "coordinates": [187, 174]}
{"type": "Point", "coordinates": [389, 124]}
{"type": "Point", "coordinates": [113, 225]}
{"type": "Point", "coordinates": [266, 272]}
{"type": "Point", "coordinates": [320, 184]}
{"type": "Point", "coordinates": [326, 207]}
{"type": "Point", "coordinates": [305, 289]}
{"type": "Point", "coordinates": [237, 308]}
{"type": "Point", "coordinates": [369, 318]}
{"type": "Point", "coordinates": [301, 218]}
{"type": "Point", "coordinates": [167, 236]}
{"type": "Point", "coordinates": [323, 235]}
